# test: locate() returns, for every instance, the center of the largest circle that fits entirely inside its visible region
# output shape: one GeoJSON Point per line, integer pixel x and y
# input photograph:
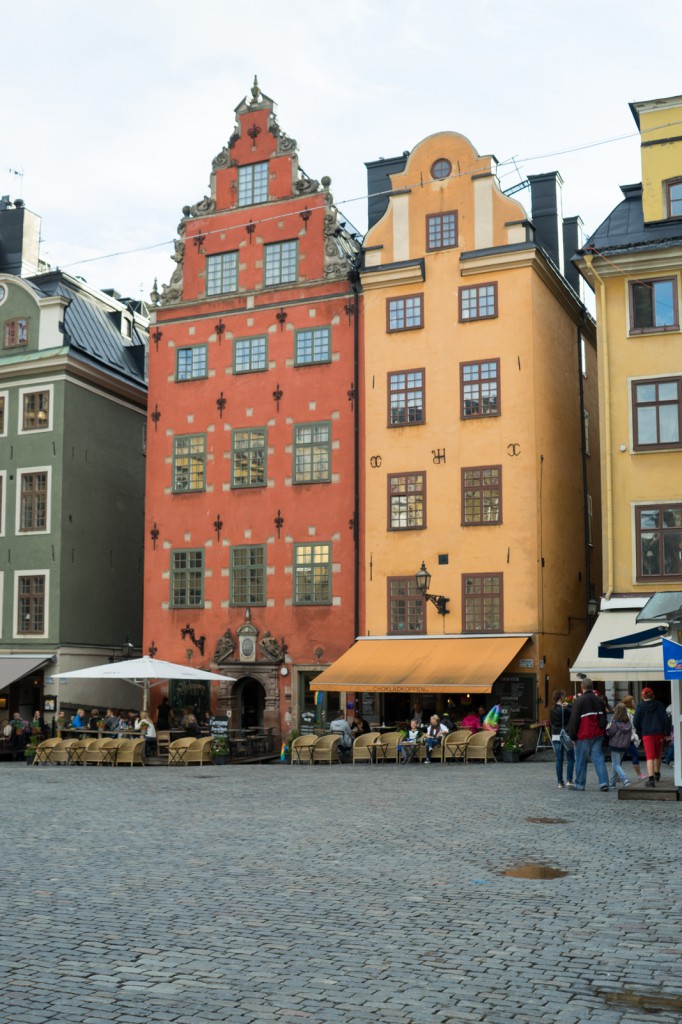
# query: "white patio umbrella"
{"type": "Point", "coordinates": [142, 672]}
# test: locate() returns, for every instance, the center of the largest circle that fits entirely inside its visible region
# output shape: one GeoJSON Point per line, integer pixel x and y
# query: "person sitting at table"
{"type": "Point", "coordinates": [341, 727]}
{"type": "Point", "coordinates": [408, 745]}
{"type": "Point", "coordinates": [93, 719]}
{"type": "Point", "coordinates": [472, 722]}
{"type": "Point", "coordinates": [145, 725]}
{"type": "Point", "coordinates": [78, 721]}
{"type": "Point", "coordinates": [38, 725]}
{"type": "Point", "coordinates": [359, 725]}
{"type": "Point", "coordinates": [447, 720]}
{"type": "Point", "coordinates": [418, 713]}
{"type": "Point", "coordinates": [434, 735]}
{"type": "Point", "coordinates": [190, 724]}
{"type": "Point", "coordinates": [111, 721]}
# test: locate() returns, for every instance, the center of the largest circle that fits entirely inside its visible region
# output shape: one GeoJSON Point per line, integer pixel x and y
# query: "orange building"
{"type": "Point", "coordinates": [479, 385]}
{"type": "Point", "coordinates": [251, 507]}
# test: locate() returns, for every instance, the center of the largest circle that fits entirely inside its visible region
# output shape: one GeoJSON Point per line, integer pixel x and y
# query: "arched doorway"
{"type": "Point", "coordinates": [251, 703]}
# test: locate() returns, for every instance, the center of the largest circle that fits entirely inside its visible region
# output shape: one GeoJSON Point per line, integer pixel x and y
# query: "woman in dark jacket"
{"type": "Point", "coordinates": [558, 721]}
{"type": "Point", "coordinates": [652, 724]}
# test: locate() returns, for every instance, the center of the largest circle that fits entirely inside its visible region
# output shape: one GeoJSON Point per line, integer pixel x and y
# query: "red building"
{"type": "Point", "coordinates": [250, 564]}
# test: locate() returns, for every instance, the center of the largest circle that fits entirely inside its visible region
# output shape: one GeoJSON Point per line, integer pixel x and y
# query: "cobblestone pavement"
{"type": "Point", "coordinates": [342, 894]}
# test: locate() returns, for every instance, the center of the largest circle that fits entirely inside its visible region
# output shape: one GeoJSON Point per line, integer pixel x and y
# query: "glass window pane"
{"type": "Point", "coordinates": [664, 305]}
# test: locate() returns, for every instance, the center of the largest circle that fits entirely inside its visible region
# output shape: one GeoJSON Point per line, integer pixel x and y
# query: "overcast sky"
{"type": "Point", "coordinates": [113, 113]}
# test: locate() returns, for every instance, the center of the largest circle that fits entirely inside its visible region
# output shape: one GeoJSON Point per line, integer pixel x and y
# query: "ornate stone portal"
{"type": "Point", "coordinates": [241, 661]}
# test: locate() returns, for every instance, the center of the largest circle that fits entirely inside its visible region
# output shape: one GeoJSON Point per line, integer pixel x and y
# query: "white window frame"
{"type": "Point", "coordinates": [48, 513]}
{"type": "Point", "coordinates": [20, 413]}
{"type": "Point", "coordinates": [16, 635]}
{"type": "Point", "coordinates": [3, 504]}
{"type": "Point", "coordinates": [5, 395]}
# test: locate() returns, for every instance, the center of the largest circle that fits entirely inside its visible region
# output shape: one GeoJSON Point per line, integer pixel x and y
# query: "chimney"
{"type": "Point", "coordinates": [19, 238]}
{"type": "Point", "coordinates": [379, 184]}
{"type": "Point", "coordinates": [573, 240]}
{"type": "Point", "coordinates": [545, 199]}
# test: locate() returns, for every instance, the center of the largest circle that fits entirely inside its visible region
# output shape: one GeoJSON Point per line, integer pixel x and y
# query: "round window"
{"type": "Point", "coordinates": [3, 293]}
{"type": "Point", "coordinates": [441, 168]}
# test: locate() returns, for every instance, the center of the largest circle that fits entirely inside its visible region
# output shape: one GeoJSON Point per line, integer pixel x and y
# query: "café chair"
{"type": "Point", "coordinates": [325, 751]}
{"type": "Point", "coordinates": [130, 752]}
{"type": "Point", "coordinates": [455, 745]}
{"type": "Point", "coordinates": [199, 751]}
{"type": "Point", "coordinates": [480, 747]}
{"type": "Point", "coordinates": [363, 747]}
{"type": "Point", "coordinates": [178, 748]}
{"type": "Point", "coordinates": [302, 749]}
{"type": "Point", "coordinates": [163, 741]}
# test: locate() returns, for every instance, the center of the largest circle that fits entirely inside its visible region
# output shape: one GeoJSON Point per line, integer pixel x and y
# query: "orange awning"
{"type": "Point", "coordinates": [421, 665]}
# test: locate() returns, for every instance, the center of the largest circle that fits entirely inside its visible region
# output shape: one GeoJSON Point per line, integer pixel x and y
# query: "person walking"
{"type": "Point", "coordinates": [561, 741]}
{"type": "Point", "coordinates": [652, 724]}
{"type": "Point", "coordinates": [586, 728]}
{"type": "Point", "coordinates": [620, 736]}
{"type": "Point", "coordinates": [629, 702]}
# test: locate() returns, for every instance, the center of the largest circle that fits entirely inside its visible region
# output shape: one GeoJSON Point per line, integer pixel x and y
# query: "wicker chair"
{"type": "Point", "coordinates": [455, 745]}
{"type": "Point", "coordinates": [199, 751]}
{"type": "Point", "coordinates": [44, 751]}
{"type": "Point", "coordinates": [178, 748]}
{"type": "Point", "coordinates": [99, 751]}
{"type": "Point", "coordinates": [302, 749]}
{"type": "Point", "coordinates": [363, 747]}
{"type": "Point", "coordinates": [480, 746]}
{"type": "Point", "coordinates": [130, 752]}
{"type": "Point", "coordinates": [325, 751]}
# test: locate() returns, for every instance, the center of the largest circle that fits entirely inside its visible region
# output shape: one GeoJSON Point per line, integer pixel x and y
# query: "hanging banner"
{"type": "Point", "coordinates": [672, 660]}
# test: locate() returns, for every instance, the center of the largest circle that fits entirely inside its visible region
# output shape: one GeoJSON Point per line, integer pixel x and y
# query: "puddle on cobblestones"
{"type": "Point", "coordinates": [647, 1002]}
{"type": "Point", "coordinates": [534, 871]}
{"type": "Point", "coordinates": [548, 821]}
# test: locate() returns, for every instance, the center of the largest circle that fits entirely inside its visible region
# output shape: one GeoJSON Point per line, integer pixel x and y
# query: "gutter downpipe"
{"type": "Point", "coordinates": [354, 277]}
{"type": "Point", "coordinates": [603, 341]}
{"type": "Point", "coordinates": [583, 459]}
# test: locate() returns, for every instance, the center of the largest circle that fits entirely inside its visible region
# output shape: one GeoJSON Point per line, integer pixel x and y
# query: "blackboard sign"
{"type": "Point", "coordinates": [219, 726]}
{"type": "Point", "coordinates": [307, 723]}
{"type": "Point", "coordinates": [517, 695]}
{"type": "Point", "coordinates": [505, 721]}
{"type": "Point", "coordinates": [368, 705]}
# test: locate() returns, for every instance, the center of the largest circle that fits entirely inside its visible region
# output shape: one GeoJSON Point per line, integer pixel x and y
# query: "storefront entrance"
{"type": "Point", "coordinates": [251, 697]}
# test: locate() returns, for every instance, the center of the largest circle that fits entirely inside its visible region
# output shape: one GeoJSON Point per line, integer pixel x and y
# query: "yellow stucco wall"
{"type": "Point", "coordinates": [535, 337]}
{"type": "Point", "coordinates": [661, 129]}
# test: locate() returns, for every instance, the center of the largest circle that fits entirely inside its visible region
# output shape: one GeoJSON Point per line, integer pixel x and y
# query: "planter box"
{"type": "Point", "coordinates": [511, 756]}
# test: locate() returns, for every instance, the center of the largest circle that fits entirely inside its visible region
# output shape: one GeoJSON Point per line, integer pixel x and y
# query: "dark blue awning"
{"type": "Point", "coordinates": [646, 638]}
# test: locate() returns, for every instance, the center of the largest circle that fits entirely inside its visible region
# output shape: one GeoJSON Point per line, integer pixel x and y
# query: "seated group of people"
{"type": "Point", "coordinates": [430, 736]}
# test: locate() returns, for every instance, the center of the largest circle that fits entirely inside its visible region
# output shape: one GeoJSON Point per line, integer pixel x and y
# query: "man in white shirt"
{"type": "Point", "coordinates": [433, 736]}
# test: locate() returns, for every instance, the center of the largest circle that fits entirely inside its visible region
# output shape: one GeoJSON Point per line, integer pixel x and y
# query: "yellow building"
{"type": "Point", "coordinates": [478, 387]}
{"type": "Point", "coordinates": [633, 262]}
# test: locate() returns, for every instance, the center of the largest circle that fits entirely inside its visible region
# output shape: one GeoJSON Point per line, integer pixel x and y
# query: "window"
{"type": "Point", "coordinates": [281, 260]}
{"type": "Point", "coordinates": [313, 346]}
{"type": "Point", "coordinates": [481, 495]}
{"type": "Point", "coordinates": [15, 334]}
{"type": "Point", "coordinates": [441, 168]}
{"type": "Point", "coordinates": [405, 605]}
{"type": "Point", "coordinates": [250, 355]}
{"type": "Point", "coordinates": [253, 184]}
{"type": "Point", "coordinates": [653, 306]}
{"type": "Point", "coordinates": [221, 273]}
{"type": "Point", "coordinates": [674, 198]}
{"type": "Point", "coordinates": [406, 501]}
{"type": "Point", "coordinates": [191, 363]}
{"type": "Point", "coordinates": [480, 389]}
{"type": "Point", "coordinates": [659, 541]}
{"type": "Point", "coordinates": [36, 410]}
{"type": "Point", "coordinates": [187, 579]}
{"type": "Point", "coordinates": [312, 574]}
{"type": "Point", "coordinates": [189, 463]}
{"type": "Point", "coordinates": [31, 604]}
{"type": "Point", "coordinates": [404, 314]}
{"type": "Point", "coordinates": [441, 231]}
{"type": "Point", "coordinates": [249, 452]}
{"type": "Point", "coordinates": [478, 302]}
{"type": "Point", "coordinates": [3, 410]}
{"type": "Point", "coordinates": [482, 603]}
{"type": "Point", "coordinates": [33, 502]}
{"type": "Point", "coordinates": [312, 453]}
{"type": "Point", "coordinates": [406, 398]}
{"type": "Point", "coordinates": [656, 413]}
{"type": "Point", "coordinates": [247, 575]}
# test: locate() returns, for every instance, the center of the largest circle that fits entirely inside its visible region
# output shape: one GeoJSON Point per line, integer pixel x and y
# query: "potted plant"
{"type": "Point", "coordinates": [221, 750]}
{"type": "Point", "coordinates": [31, 747]}
{"type": "Point", "coordinates": [512, 745]}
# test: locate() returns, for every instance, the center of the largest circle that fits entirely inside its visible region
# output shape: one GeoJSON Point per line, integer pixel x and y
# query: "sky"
{"type": "Point", "coordinates": [112, 114]}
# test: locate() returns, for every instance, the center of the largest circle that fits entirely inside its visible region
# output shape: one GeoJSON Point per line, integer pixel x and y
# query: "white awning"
{"type": "Point", "coordinates": [642, 663]}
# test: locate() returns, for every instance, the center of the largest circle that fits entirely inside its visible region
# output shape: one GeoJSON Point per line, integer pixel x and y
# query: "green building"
{"type": "Point", "coordinates": [73, 399]}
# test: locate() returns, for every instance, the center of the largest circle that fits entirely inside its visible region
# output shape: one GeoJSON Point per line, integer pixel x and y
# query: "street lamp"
{"type": "Point", "coordinates": [423, 581]}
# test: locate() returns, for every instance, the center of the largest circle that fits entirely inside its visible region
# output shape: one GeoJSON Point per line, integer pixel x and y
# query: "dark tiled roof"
{"type": "Point", "coordinates": [624, 228]}
{"type": "Point", "coordinates": [93, 328]}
